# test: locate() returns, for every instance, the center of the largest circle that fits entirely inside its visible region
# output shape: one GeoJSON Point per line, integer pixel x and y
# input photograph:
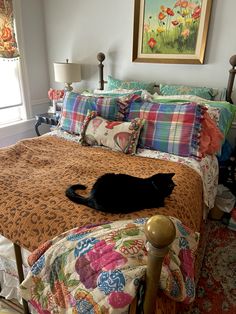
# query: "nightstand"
{"type": "Point", "coordinates": [47, 118]}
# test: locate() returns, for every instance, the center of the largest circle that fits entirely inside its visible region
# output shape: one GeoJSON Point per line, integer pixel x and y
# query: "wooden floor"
{"type": "Point", "coordinates": [10, 307]}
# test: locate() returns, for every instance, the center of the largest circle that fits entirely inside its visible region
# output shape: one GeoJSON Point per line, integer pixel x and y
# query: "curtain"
{"type": "Point", "coordinates": [8, 45]}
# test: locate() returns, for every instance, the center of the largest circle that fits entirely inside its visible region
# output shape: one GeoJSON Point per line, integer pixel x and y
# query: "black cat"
{"type": "Point", "coordinates": [122, 193]}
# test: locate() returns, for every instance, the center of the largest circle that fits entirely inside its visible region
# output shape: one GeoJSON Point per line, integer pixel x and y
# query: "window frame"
{"type": "Point", "coordinates": [22, 68]}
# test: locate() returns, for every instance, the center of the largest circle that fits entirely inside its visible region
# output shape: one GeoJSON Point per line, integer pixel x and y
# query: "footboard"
{"type": "Point", "coordinates": [160, 233]}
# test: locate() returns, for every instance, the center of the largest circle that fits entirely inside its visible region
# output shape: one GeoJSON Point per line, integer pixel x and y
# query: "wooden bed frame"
{"type": "Point", "coordinates": [160, 231]}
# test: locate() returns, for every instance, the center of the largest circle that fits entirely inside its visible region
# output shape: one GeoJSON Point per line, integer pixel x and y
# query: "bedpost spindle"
{"type": "Point", "coordinates": [101, 58]}
{"type": "Point", "coordinates": [232, 73]}
{"type": "Point", "coordinates": [160, 233]}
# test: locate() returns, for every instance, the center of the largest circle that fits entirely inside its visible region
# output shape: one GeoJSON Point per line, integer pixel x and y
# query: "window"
{"type": "Point", "coordinates": [11, 105]}
{"type": "Point", "coordinates": [11, 97]}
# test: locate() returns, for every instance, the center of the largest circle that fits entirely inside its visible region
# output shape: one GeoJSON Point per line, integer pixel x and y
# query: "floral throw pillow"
{"type": "Point", "coordinates": [117, 135]}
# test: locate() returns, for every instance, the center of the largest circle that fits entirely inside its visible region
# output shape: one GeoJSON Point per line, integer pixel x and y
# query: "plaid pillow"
{"type": "Point", "coordinates": [170, 128]}
{"type": "Point", "coordinates": [76, 107]}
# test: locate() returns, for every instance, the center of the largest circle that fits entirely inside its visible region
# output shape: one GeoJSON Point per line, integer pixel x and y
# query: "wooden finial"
{"type": "Point", "coordinates": [232, 60]}
{"type": "Point", "coordinates": [101, 56]}
{"type": "Point", "coordinates": [232, 73]}
{"type": "Point", "coordinates": [160, 231]}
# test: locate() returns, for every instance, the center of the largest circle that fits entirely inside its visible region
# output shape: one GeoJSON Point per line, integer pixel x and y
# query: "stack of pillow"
{"type": "Point", "coordinates": [128, 115]}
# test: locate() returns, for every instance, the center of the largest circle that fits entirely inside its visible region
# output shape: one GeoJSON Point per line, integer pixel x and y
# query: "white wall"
{"type": "Point", "coordinates": [79, 29]}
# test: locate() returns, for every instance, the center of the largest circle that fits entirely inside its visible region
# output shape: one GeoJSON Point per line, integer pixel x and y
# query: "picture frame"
{"type": "Point", "coordinates": [170, 31]}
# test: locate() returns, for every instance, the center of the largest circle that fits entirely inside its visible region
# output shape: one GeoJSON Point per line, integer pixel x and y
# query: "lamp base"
{"type": "Point", "coordinates": [68, 87]}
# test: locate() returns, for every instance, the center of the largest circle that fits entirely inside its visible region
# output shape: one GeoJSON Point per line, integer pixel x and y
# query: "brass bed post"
{"type": "Point", "coordinates": [232, 73]}
{"type": "Point", "coordinates": [19, 264]}
{"type": "Point", "coordinates": [160, 233]}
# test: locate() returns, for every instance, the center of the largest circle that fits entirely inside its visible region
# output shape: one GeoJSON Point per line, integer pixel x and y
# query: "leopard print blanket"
{"type": "Point", "coordinates": [34, 174]}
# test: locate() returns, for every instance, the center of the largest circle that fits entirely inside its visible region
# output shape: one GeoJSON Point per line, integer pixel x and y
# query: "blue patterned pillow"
{"type": "Point", "coordinates": [204, 92]}
{"type": "Point", "coordinates": [135, 85]}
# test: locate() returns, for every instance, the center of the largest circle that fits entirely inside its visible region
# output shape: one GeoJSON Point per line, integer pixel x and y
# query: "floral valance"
{"type": "Point", "coordinates": [8, 45]}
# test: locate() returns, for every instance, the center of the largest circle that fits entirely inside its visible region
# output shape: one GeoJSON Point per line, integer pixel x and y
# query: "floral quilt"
{"type": "Point", "coordinates": [99, 269]}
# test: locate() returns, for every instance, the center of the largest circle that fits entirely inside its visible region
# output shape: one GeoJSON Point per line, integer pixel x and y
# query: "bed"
{"type": "Point", "coordinates": [35, 174]}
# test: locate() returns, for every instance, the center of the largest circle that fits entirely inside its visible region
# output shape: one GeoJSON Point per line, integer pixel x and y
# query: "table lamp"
{"type": "Point", "coordinates": [67, 73]}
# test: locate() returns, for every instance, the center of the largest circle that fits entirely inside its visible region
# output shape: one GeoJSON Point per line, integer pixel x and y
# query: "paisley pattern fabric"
{"type": "Point", "coordinates": [98, 269]}
{"type": "Point", "coordinates": [204, 92]}
{"type": "Point", "coordinates": [34, 174]}
{"type": "Point", "coordinates": [113, 83]}
{"type": "Point", "coordinates": [117, 135]}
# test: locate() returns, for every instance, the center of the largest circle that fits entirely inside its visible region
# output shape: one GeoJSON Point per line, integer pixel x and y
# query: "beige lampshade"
{"type": "Point", "coordinates": [67, 72]}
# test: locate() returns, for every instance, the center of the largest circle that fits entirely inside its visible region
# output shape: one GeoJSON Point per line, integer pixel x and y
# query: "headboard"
{"type": "Point", "coordinates": [232, 73]}
{"type": "Point", "coordinates": [229, 90]}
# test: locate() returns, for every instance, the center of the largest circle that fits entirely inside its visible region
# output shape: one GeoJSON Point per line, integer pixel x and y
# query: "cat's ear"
{"type": "Point", "coordinates": [171, 174]}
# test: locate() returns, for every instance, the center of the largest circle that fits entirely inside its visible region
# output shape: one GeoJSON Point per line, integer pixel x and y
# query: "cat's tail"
{"type": "Point", "coordinates": [74, 197]}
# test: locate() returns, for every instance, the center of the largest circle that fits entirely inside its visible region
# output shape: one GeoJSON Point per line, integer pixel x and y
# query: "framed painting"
{"type": "Point", "coordinates": [170, 31]}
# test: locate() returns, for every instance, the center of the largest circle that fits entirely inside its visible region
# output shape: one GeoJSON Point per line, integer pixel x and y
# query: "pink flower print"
{"type": "Point", "coordinates": [112, 124]}
{"type": "Point", "coordinates": [38, 307]}
{"type": "Point", "coordinates": [103, 257]}
{"type": "Point", "coordinates": [187, 265]}
{"type": "Point", "coordinates": [122, 139]}
{"type": "Point", "coordinates": [119, 300]}
{"type": "Point", "coordinates": [96, 122]}
{"type": "Point", "coordinates": [99, 249]}
{"type": "Point", "coordinates": [88, 276]}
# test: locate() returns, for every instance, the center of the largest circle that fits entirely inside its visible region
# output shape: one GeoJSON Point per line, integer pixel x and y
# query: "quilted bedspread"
{"type": "Point", "coordinates": [34, 174]}
{"type": "Point", "coordinates": [98, 269]}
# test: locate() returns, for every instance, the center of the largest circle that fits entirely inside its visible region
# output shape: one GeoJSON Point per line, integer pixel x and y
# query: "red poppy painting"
{"type": "Point", "coordinates": [170, 31]}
